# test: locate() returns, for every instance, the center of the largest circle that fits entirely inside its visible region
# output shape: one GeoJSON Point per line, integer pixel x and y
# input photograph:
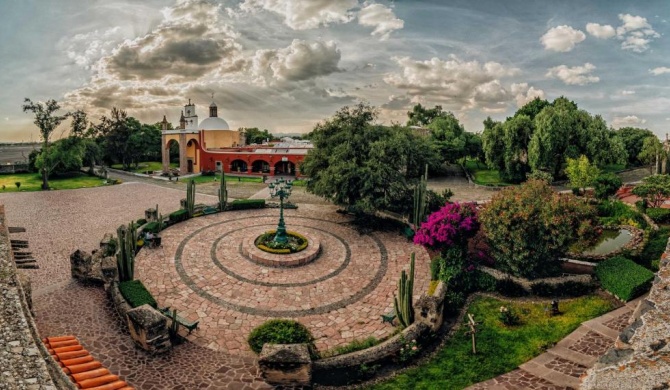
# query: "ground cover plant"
{"type": "Point", "coordinates": [623, 277]}
{"type": "Point", "coordinates": [484, 176]}
{"type": "Point", "coordinates": [615, 212]}
{"type": "Point", "coordinates": [136, 294]}
{"type": "Point", "coordinates": [33, 182]}
{"type": "Point", "coordinates": [279, 331]}
{"type": "Point", "coordinates": [500, 348]}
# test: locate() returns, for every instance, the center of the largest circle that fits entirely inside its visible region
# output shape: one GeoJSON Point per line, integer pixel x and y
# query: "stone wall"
{"type": "Point", "coordinates": [640, 358]}
{"type": "Point", "coordinates": [24, 361]}
{"type": "Point", "coordinates": [526, 283]}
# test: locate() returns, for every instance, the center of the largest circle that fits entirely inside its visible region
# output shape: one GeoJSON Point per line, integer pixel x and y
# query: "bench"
{"type": "Point", "coordinates": [388, 317]}
{"type": "Point", "coordinates": [191, 326]}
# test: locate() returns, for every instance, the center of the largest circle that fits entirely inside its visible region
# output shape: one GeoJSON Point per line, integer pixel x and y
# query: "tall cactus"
{"type": "Point", "coordinates": [161, 221]}
{"type": "Point", "coordinates": [402, 303]}
{"type": "Point", "coordinates": [125, 255]}
{"type": "Point", "coordinates": [420, 200]}
{"type": "Point", "coordinates": [190, 198]}
{"type": "Point", "coordinates": [223, 192]}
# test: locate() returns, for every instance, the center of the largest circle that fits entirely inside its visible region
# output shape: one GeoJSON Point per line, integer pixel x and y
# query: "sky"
{"type": "Point", "coordinates": [286, 65]}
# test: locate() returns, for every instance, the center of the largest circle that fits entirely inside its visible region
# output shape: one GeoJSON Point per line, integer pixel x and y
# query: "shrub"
{"type": "Point", "coordinates": [18, 184]}
{"type": "Point", "coordinates": [245, 204]}
{"type": "Point", "coordinates": [614, 212]}
{"type": "Point", "coordinates": [140, 222]}
{"type": "Point", "coordinates": [486, 282]}
{"type": "Point", "coordinates": [641, 206]}
{"type": "Point", "coordinates": [435, 264]}
{"type": "Point", "coordinates": [152, 227]}
{"type": "Point", "coordinates": [568, 288]}
{"type": "Point", "coordinates": [136, 294]}
{"type": "Point", "coordinates": [279, 331]}
{"type": "Point", "coordinates": [623, 278]}
{"type": "Point", "coordinates": [543, 289]}
{"type": "Point", "coordinates": [208, 173]}
{"type": "Point", "coordinates": [179, 216]}
{"type": "Point", "coordinates": [659, 215]}
{"type": "Point", "coordinates": [508, 316]}
{"type": "Point", "coordinates": [451, 225]}
{"type": "Point", "coordinates": [655, 247]}
{"type": "Point", "coordinates": [510, 288]}
{"type": "Point", "coordinates": [606, 185]}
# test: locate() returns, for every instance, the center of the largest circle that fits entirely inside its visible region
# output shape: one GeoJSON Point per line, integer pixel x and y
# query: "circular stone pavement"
{"type": "Point", "coordinates": [202, 271]}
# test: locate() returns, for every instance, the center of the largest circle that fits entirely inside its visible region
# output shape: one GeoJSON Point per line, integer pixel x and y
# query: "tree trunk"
{"type": "Point", "coordinates": [45, 180]}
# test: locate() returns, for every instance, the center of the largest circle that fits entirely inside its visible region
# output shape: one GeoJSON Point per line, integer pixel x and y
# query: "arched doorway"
{"type": "Point", "coordinates": [172, 149]}
{"type": "Point", "coordinates": [260, 166]}
{"type": "Point", "coordinates": [285, 168]}
{"type": "Point", "coordinates": [192, 163]}
{"type": "Point", "coordinates": [238, 166]}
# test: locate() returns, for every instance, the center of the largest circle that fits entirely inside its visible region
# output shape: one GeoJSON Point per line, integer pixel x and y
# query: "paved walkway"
{"type": "Point", "coordinates": [561, 366]}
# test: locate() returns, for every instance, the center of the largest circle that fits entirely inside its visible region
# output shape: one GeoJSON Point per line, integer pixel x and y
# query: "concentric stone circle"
{"type": "Point", "coordinates": [205, 273]}
{"type": "Point", "coordinates": [252, 252]}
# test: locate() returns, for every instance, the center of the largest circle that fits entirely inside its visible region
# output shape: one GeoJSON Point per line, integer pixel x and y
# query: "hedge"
{"type": "Point", "coordinates": [152, 227]}
{"type": "Point", "coordinates": [136, 294]}
{"type": "Point", "coordinates": [568, 288]}
{"type": "Point", "coordinates": [623, 278]}
{"type": "Point", "coordinates": [179, 216]}
{"type": "Point", "coordinates": [244, 204]}
{"type": "Point", "coordinates": [659, 215]}
{"type": "Point", "coordinates": [279, 331]}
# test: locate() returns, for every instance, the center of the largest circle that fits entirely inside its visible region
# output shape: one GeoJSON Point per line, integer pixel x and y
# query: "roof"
{"type": "Point", "coordinates": [213, 123]}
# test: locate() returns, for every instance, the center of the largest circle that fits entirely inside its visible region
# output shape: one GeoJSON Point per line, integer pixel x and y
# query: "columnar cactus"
{"type": "Point", "coordinates": [125, 255]}
{"type": "Point", "coordinates": [223, 192]}
{"type": "Point", "coordinates": [420, 200]}
{"type": "Point", "coordinates": [402, 303]}
{"type": "Point", "coordinates": [190, 198]}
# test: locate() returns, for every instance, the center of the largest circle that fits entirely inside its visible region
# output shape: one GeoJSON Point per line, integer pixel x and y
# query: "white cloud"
{"type": "Point", "coordinates": [659, 71]}
{"type": "Point", "coordinates": [381, 18]}
{"type": "Point", "coordinates": [627, 92]}
{"type": "Point", "coordinates": [627, 121]}
{"type": "Point", "coordinates": [562, 38]}
{"type": "Point", "coordinates": [86, 48]}
{"type": "Point", "coordinates": [635, 32]}
{"type": "Point", "coordinates": [602, 31]}
{"type": "Point", "coordinates": [577, 75]}
{"type": "Point", "coordinates": [524, 94]}
{"type": "Point", "coordinates": [456, 83]}
{"type": "Point", "coordinates": [302, 14]}
{"type": "Point", "coordinates": [299, 61]}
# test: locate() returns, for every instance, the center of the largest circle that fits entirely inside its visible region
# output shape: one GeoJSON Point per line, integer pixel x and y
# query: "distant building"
{"type": "Point", "coordinates": [210, 145]}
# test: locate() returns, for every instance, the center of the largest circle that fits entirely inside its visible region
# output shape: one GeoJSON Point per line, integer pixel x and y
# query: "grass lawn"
{"type": "Point", "coordinates": [500, 349]}
{"type": "Point", "coordinates": [229, 179]}
{"type": "Point", "coordinates": [147, 166]}
{"type": "Point", "coordinates": [484, 176]}
{"type": "Point", "coordinates": [33, 182]}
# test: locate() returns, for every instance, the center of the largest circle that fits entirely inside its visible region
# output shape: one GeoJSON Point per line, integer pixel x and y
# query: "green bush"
{"type": "Point", "coordinates": [614, 212]}
{"type": "Point", "coordinates": [179, 216]}
{"type": "Point", "coordinates": [651, 254]}
{"type": "Point", "coordinates": [659, 215]}
{"type": "Point", "coordinates": [435, 264]}
{"type": "Point", "coordinates": [510, 288]}
{"type": "Point", "coordinates": [606, 185]}
{"type": "Point", "coordinates": [280, 331]}
{"type": "Point", "coordinates": [152, 227]}
{"type": "Point", "coordinates": [543, 289]}
{"type": "Point", "coordinates": [565, 289]}
{"type": "Point", "coordinates": [623, 278]}
{"type": "Point", "coordinates": [245, 204]}
{"type": "Point", "coordinates": [140, 222]}
{"type": "Point", "coordinates": [136, 294]}
{"type": "Point", "coordinates": [486, 282]}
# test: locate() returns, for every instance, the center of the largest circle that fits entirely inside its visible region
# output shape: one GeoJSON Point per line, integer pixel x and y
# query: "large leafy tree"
{"type": "Point", "coordinates": [65, 155]}
{"type": "Point", "coordinates": [47, 120]}
{"type": "Point", "coordinates": [255, 136]}
{"type": "Point", "coordinates": [358, 164]}
{"type": "Point", "coordinates": [529, 227]}
{"type": "Point", "coordinates": [633, 139]}
{"type": "Point", "coordinates": [654, 190]}
{"type": "Point", "coordinates": [423, 116]}
{"type": "Point", "coordinates": [651, 152]}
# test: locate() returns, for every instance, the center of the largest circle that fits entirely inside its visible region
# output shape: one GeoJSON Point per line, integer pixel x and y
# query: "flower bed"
{"type": "Point", "coordinates": [296, 243]}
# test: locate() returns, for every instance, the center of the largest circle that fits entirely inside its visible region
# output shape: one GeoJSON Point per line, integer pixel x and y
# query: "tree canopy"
{"type": "Point", "coordinates": [255, 136]}
{"type": "Point", "coordinates": [358, 164]}
{"type": "Point", "coordinates": [633, 139]}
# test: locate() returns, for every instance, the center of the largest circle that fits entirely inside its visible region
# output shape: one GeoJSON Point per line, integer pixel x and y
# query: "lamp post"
{"type": "Point", "coordinates": [281, 189]}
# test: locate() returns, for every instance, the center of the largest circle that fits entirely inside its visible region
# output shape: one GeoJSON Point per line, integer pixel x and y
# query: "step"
{"type": "Point", "coordinates": [16, 229]}
{"type": "Point", "coordinates": [538, 368]}
{"type": "Point", "coordinates": [25, 261]}
{"type": "Point", "coordinates": [597, 326]}
{"type": "Point", "coordinates": [27, 266]}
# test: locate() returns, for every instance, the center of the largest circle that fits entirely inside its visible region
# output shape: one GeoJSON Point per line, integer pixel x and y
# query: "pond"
{"type": "Point", "coordinates": [609, 241]}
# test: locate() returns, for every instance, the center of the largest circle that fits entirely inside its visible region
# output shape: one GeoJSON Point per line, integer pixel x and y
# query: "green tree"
{"type": "Point", "coordinates": [581, 172]}
{"type": "Point", "coordinates": [255, 136]}
{"type": "Point", "coordinates": [363, 166]}
{"type": "Point", "coordinates": [449, 137]}
{"type": "Point", "coordinates": [651, 151]}
{"type": "Point", "coordinates": [554, 220]}
{"type": "Point", "coordinates": [633, 139]}
{"type": "Point", "coordinates": [606, 185]}
{"type": "Point", "coordinates": [422, 116]}
{"type": "Point", "coordinates": [47, 121]}
{"type": "Point", "coordinates": [653, 190]}
{"type": "Point", "coordinates": [65, 155]}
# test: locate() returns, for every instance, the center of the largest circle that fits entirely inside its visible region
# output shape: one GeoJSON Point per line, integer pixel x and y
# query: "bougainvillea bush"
{"type": "Point", "coordinates": [451, 225]}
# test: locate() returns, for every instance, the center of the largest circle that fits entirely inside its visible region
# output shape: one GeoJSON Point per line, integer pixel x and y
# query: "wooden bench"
{"type": "Point", "coordinates": [388, 317]}
{"type": "Point", "coordinates": [191, 326]}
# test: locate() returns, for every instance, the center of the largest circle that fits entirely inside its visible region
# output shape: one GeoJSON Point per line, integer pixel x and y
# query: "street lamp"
{"type": "Point", "coordinates": [282, 189]}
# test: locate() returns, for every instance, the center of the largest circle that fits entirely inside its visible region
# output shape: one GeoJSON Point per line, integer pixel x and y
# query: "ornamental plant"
{"type": "Point", "coordinates": [451, 225]}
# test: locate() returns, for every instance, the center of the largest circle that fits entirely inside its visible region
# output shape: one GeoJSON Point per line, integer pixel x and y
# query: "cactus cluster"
{"type": "Point", "coordinates": [190, 198]}
{"type": "Point", "coordinates": [223, 192]}
{"type": "Point", "coordinates": [420, 200]}
{"type": "Point", "coordinates": [174, 326]}
{"type": "Point", "coordinates": [402, 303]}
{"type": "Point", "coordinates": [125, 255]}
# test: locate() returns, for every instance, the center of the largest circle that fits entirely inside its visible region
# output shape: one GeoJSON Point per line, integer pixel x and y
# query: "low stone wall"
{"type": "Point", "coordinates": [526, 283]}
{"type": "Point", "coordinates": [640, 358]}
{"type": "Point", "coordinates": [637, 242]}
{"type": "Point", "coordinates": [24, 361]}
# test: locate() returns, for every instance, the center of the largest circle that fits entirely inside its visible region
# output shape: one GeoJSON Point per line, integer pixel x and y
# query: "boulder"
{"type": "Point", "coordinates": [80, 264]}
{"type": "Point", "coordinates": [286, 365]}
{"type": "Point", "coordinates": [148, 329]}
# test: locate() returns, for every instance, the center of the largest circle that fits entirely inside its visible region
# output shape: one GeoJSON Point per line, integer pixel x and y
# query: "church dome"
{"type": "Point", "coordinates": [213, 123]}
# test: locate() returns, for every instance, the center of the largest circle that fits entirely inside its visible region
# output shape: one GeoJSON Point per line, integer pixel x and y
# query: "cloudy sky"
{"type": "Point", "coordinates": [284, 65]}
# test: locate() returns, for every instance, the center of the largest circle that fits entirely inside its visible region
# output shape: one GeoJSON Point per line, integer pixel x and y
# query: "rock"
{"type": "Point", "coordinates": [286, 364]}
{"type": "Point", "coordinates": [109, 269]}
{"type": "Point", "coordinates": [80, 264]}
{"type": "Point", "coordinates": [108, 243]}
{"type": "Point", "coordinates": [148, 329]}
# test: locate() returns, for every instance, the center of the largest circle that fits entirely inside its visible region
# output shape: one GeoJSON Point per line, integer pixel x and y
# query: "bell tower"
{"type": "Point", "coordinates": [190, 116]}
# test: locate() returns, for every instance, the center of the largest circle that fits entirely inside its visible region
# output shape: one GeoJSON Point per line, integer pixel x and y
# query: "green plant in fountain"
{"type": "Point", "coordinates": [190, 198]}
{"type": "Point", "coordinates": [223, 192]}
{"type": "Point", "coordinates": [125, 256]}
{"type": "Point", "coordinates": [402, 303]}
